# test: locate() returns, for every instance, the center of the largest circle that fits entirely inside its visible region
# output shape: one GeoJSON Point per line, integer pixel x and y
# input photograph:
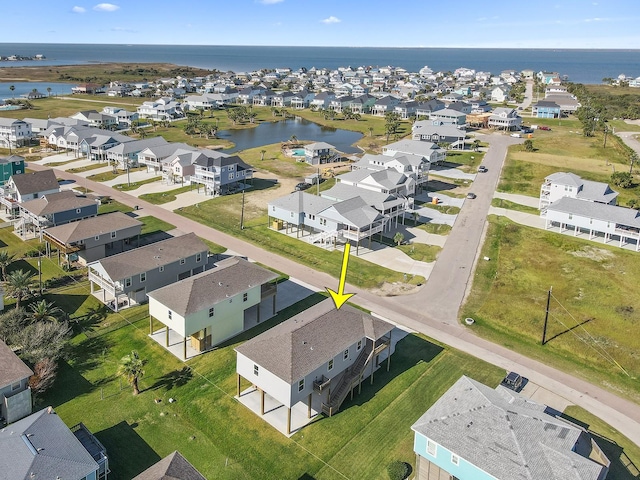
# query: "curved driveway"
{"type": "Point", "coordinates": [429, 312]}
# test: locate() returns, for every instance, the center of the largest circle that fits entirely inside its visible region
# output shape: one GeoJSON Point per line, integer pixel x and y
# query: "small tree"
{"type": "Point", "coordinates": [5, 260]}
{"type": "Point", "coordinates": [622, 179]}
{"type": "Point", "coordinates": [397, 470]}
{"type": "Point", "coordinates": [528, 145]}
{"type": "Point", "coordinates": [262, 152]}
{"type": "Point", "coordinates": [11, 324]}
{"type": "Point", "coordinates": [44, 374]}
{"type": "Point", "coordinates": [42, 340]}
{"type": "Point", "coordinates": [18, 285]}
{"type": "Point", "coordinates": [132, 367]}
{"type": "Point", "coordinates": [398, 238]}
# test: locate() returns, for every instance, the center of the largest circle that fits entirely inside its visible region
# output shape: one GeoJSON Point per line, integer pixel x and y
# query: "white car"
{"type": "Point", "coordinates": [516, 135]}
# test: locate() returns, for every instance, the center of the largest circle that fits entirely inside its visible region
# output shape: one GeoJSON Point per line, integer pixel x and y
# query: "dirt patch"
{"type": "Point", "coordinates": [261, 198]}
{"type": "Point", "coordinates": [594, 253]}
{"type": "Point", "coordinates": [394, 289]}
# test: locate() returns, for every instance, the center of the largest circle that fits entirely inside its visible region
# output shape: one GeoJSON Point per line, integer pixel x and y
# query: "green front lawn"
{"type": "Point", "coordinates": [502, 203]}
{"type": "Point", "coordinates": [160, 198]}
{"type": "Point", "coordinates": [86, 168]}
{"type": "Point", "coordinates": [126, 187]}
{"type": "Point", "coordinates": [110, 175]}
{"type": "Point", "coordinates": [421, 252]}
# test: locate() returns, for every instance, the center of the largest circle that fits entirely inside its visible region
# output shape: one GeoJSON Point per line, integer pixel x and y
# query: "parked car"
{"type": "Point", "coordinates": [482, 169]}
{"type": "Point", "coordinates": [516, 135]}
{"type": "Point", "coordinates": [544, 127]}
{"type": "Point", "coordinates": [527, 130]}
{"type": "Point", "coordinates": [471, 195]}
{"type": "Point", "coordinates": [513, 381]}
{"type": "Point", "coordinates": [302, 186]}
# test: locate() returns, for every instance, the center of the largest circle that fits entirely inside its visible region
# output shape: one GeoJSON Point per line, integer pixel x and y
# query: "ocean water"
{"type": "Point", "coordinates": [582, 66]}
{"type": "Point", "coordinates": [22, 88]}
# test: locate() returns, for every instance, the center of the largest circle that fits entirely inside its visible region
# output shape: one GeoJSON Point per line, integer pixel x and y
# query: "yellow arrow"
{"type": "Point", "coordinates": [340, 297]}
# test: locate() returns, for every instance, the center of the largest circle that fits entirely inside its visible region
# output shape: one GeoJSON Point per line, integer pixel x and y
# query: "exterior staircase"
{"type": "Point", "coordinates": [352, 376]}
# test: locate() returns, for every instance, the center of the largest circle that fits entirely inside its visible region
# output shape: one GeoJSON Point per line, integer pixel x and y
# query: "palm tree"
{"type": "Point", "coordinates": [44, 311]}
{"type": "Point", "coordinates": [132, 366]}
{"type": "Point", "coordinates": [398, 238]}
{"type": "Point", "coordinates": [49, 91]}
{"type": "Point", "coordinates": [476, 145]}
{"type": "Point", "coordinates": [12, 88]}
{"type": "Point", "coordinates": [5, 260]}
{"type": "Point", "coordinates": [18, 285]}
{"type": "Point", "coordinates": [371, 131]}
{"type": "Point", "coordinates": [262, 152]}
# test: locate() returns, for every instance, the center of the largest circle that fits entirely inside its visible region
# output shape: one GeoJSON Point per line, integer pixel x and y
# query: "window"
{"type": "Point", "coordinates": [231, 176]}
{"type": "Point", "coordinates": [143, 277]}
{"type": "Point", "coordinates": [330, 365]}
{"type": "Point", "coordinates": [113, 234]}
{"type": "Point", "coordinates": [127, 282]}
{"type": "Point", "coordinates": [570, 216]}
{"type": "Point", "coordinates": [182, 260]}
{"type": "Point", "coordinates": [78, 210]}
{"type": "Point", "coordinates": [97, 237]}
{"type": "Point", "coordinates": [15, 386]}
{"type": "Point", "coordinates": [161, 268]}
{"type": "Point", "coordinates": [291, 214]}
{"type": "Point", "coordinates": [169, 314]}
{"type": "Point", "coordinates": [255, 369]}
{"type": "Point", "coordinates": [346, 354]}
{"type": "Point", "coordinates": [212, 311]}
{"type": "Point", "coordinates": [273, 208]}
{"type": "Point", "coordinates": [455, 459]}
{"type": "Point", "coordinates": [301, 385]}
{"type": "Point", "coordinates": [245, 297]}
{"type": "Point", "coordinates": [432, 447]}
{"type": "Point", "coordinates": [359, 347]}
{"type": "Point", "coordinates": [198, 257]}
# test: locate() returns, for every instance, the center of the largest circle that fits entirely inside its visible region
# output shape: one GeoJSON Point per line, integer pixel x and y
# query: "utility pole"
{"type": "Point", "coordinates": [40, 270]}
{"type": "Point", "coordinates": [546, 317]}
{"type": "Point", "coordinates": [242, 211]}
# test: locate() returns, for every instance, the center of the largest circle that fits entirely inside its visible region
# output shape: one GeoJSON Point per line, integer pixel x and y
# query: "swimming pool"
{"type": "Point", "coordinates": [9, 107]}
{"type": "Point", "coordinates": [298, 152]}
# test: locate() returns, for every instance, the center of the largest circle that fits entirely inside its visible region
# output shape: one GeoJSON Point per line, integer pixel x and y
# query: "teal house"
{"type": "Point", "coordinates": [10, 166]}
{"type": "Point", "coordinates": [474, 432]}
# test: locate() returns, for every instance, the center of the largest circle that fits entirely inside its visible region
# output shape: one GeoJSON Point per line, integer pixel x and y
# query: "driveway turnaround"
{"type": "Point", "coordinates": [433, 311]}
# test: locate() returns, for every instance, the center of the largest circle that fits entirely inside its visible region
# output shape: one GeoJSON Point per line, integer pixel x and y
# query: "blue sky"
{"type": "Point", "coordinates": [406, 23]}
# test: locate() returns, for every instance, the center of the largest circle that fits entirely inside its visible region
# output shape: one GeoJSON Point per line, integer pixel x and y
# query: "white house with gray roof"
{"type": "Point", "coordinates": [425, 130]}
{"type": "Point", "coordinates": [213, 306]}
{"type": "Point", "coordinates": [383, 181]}
{"type": "Point", "coordinates": [27, 186]}
{"type": "Point", "coordinates": [315, 358]}
{"type": "Point", "coordinates": [320, 152]}
{"type": "Point", "coordinates": [474, 432]}
{"type": "Point", "coordinates": [14, 133]}
{"type": "Point", "coordinates": [41, 446]}
{"type": "Point", "coordinates": [154, 157]}
{"type": "Point", "coordinates": [125, 278]}
{"type": "Point", "coordinates": [125, 155]}
{"type": "Point", "coordinates": [504, 118]}
{"type": "Point", "coordinates": [563, 184]}
{"type": "Point", "coordinates": [428, 150]}
{"type": "Point", "coordinates": [414, 166]}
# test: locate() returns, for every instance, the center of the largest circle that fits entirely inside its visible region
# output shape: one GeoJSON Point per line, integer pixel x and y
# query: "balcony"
{"type": "Point", "coordinates": [356, 235]}
{"type": "Point", "coordinates": [321, 384]}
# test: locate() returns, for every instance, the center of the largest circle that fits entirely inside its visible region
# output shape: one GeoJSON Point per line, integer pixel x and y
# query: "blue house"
{"type": "Point", "coordinates": [546, 109]}
{"type": "Point", "coordinates": [12, 165]}
{"type": "Point", "coordinates": [474, 432]}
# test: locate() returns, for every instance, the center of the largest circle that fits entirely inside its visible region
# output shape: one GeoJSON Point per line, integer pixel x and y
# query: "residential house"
{"type": "Point", "coordinates": [479, 106]}
{"type": "Point", "coordinates": [15, 394]}
{"type": "Point", "coordinates": [448, 116]}
{"type": "Point", "coordinates": [452, 97]}
{"type": "Point", "coordinates": [23, 187]}
{"type": "Point", "coordinates": [424, 109]}
{"type": "Point", "coordinates": [362, 103]}
{"type": "Point", "coordinates": [126, 278]}
{"type": "Point", "coordinates": [263, 99]}
{"type": "Point", "coordinates": [163, 108]}
{"type": "Point", "coordinates": [54, 209]}
{"type": "Point", "coordinates": [302, 99]}
{"type": "Point", "coordinates": [125, 155]}
{"type": "Point", "coordinates": [567, 103]}
{"type": "Point", "coordinates": [155, 158]}
{"type": "Point", "coordinates": [500, 93]}
{"type": "Point", "coordinates": [245, 95]}
{"type": "Point", "coordinates": [411, 165]}
{"type": "Point", "coordinates": [95, 143]}
{"type": "Point", "coordinates": [340, 103]}
{"type": "Point", "coordinates": [545, 109]}
{"type": "Point", "coordinates": [219, 173]}
{"type": "Point", "coordinates": [321, 152]}
{"type": "Point", "coordinates": [88, 88]}
{"type": "Point", "coordinates": [97, 120]}
{"type": "Point", "coordinates": [315, 358]}
{"type": "Point", "coordinates": [474, 432]}
{"type": "Point", "coordinates": [505, 119]}
{"type": "Point", "coordinates": [12, 165]}
{"type": "Point", "coordinates": [213, 306]}
{"type": "Point", "coordinates": [282, 99]}
{"type": "Point", "coordinates": [322, 100]}
{"type": "Point", "coordinates": [561, 184]}
{"type": "Point", "coordinates": [387, 180]}
{"type": "Point", "coordinates": [425, 130]}
{"type": "Point", "coordinates": [428, 150]}
{"type": "Point", "coordinates": [14, 133]}
{"type": "Point", "coordinates": [41, 446]}
{"type": "Point", "coordinates": [406, 109]}
{"type": "Point", "coordinates": [384, 105]}
{"type": "Point", "coordinates": [462, 107]}
{"type": "Point", "coordinates": [123, 117]}
{"type": "Point", "coordinates": [172, 467]}
{"type": "Point", "coordinates": [93, 238]}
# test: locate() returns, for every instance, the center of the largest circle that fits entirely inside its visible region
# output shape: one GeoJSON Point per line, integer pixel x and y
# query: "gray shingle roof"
{"type": "Point", "coordinates": [137, 145]}
{"type": "Point", "coordinates": [587, 189]}
{"type": "Point", "coordinates": [504, 434]}
{"type": "Point", "coordinates": [12, 369]}
{"type": "Point", "coordinates": [354, 212]}
{"type": "Point", "coordinates": [599, 211]}
{"type": "Point", "coordinates": [43, 445]}
{"type": "Point", "coordinates": [32, 182]}
{"type": "Point", "coordinates": [319, 146]}
{"type": "Point", "coordinates": [231, 277]}
{"type": "Point", "coordinates": [90, 227]}
{"type": "Point", "coordinates": [306, 341]}
{"type": "Point", "coordinates": [415, 147]}
{"type": "Point", "coordinates": [143, 259]}
{"type": "Point", "coordinates": [380, 201]}
{"type": "Point", "coordinates": [172, 467]}
{"type": "Point", "coordinates": [57, 202]}
{"type": "Point", "coordinates": [298, 202]}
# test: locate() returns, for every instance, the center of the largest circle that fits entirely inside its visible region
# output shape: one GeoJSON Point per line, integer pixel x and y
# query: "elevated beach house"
{"type": "Point", "coordinates": [213, 306]}
{"type": "Point", "coordinates": [314, 360]}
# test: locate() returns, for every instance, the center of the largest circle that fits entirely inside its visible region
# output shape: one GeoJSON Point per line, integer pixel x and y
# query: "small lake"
{"type": "Point", "coordinates": [304, 130]}
{"type": "Point", "coordinates": [22, 88]}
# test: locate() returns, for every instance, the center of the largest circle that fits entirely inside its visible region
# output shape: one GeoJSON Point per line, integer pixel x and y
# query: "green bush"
{"type": "Point", "coordinates": [397, 470]}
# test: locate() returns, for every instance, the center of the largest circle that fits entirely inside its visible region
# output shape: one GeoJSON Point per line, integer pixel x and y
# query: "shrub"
{"type": "Point", "coordinates": [622, 179]}
{"type": "Point", "coordinates": [397, 470]}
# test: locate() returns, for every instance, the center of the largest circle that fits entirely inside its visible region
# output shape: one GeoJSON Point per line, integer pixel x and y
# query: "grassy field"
{"type": "Point", "coordinates": [593, 310]}
{"type": "Point", "coordinates": [276, 162]}
{"type": "Point", "coordinates": [165, 197]}
{"type": "Point", "coordinates": [61, 107]}
{"type": "Point", "coordinates": [223, 213]}
{"type": "Point", "coordinates": [436, 228]}
{"type": "Point", "coordinates": [111, 205]}
{"type": "Point", "coordinates": [501, 203]}
{"type": "Point", "coordinates": [85, 168]}
{"type": "Point", "coordinates": [421, 252]}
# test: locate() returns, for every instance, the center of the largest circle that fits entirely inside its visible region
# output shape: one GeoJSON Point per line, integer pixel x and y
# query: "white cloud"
{"type": "Point", "coordinates": [270, 2]}
{"type": "Point", "coordinates": [122, 29]}
{"type": "Point", "coordinates": [77, 9]}
{"type": "Point", "coordinates": [331, 19]}
{"type": "Point", "coordinates": [106, 7]}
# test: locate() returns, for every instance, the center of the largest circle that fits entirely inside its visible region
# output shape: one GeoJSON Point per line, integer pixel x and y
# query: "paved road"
{"type": "Point", "coordinates": [627, 137]}
{"type": "Point", "coordinates": [620, 413]}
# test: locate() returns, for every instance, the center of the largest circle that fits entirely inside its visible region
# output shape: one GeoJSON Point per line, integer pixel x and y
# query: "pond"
{"type": "Point", "coordinates": [275, 132]}
{"type": "Point", "coordinates": [22, 88]}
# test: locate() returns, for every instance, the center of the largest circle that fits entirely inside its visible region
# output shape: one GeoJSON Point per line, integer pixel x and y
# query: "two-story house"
{"type": "Point", "coordinates": [448, 116]}
{"type": "Point", "coordinates": [505, 119]}
{"type": "Point", "coordinates": [562, 184]}
{"type": "Point", "coordinates": [219, 173]}
{"type": "Point", "coordinates": [425, 130]}
{"type": "Point", "coordinates": [545, 109]}
{"type": "Point", "coordinates": [155, 157]}
{"type": "Point", "coordinates": [385, 105]}
{"type": "Point", "coordinates": [414, 166]}
{"type": "Point", "coordinates": [125, 155]}
{"type": "Point", "coordinates": [12, 165]}
{"type": "Point", "coordinates": [311, 362]}
{"type": "Point", "coordinates": [428, 150]}
{"type": "Point", "coordinates": [96, 119]}
{"type": "Point", "coordinates": [164, 108]}
{"type": "Point", "coordinates": [318, 153]}
{"type": "Point", "coordinates": [213, 306]}
{"type": "Point", "coordinates": [15, 394]}
{"type": "Point", "coordinates": [93, 238]}
{"type": "Point", "coordinates": [42, 446]}
{"type": "Point", "coordinates": [23, 187]}
{"type": "Point", "coordinates": [474, 432]}
{"type": "Point", "coordinates": [14, 133]}
{"type": "Point", "coordinates": [125, 278]}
